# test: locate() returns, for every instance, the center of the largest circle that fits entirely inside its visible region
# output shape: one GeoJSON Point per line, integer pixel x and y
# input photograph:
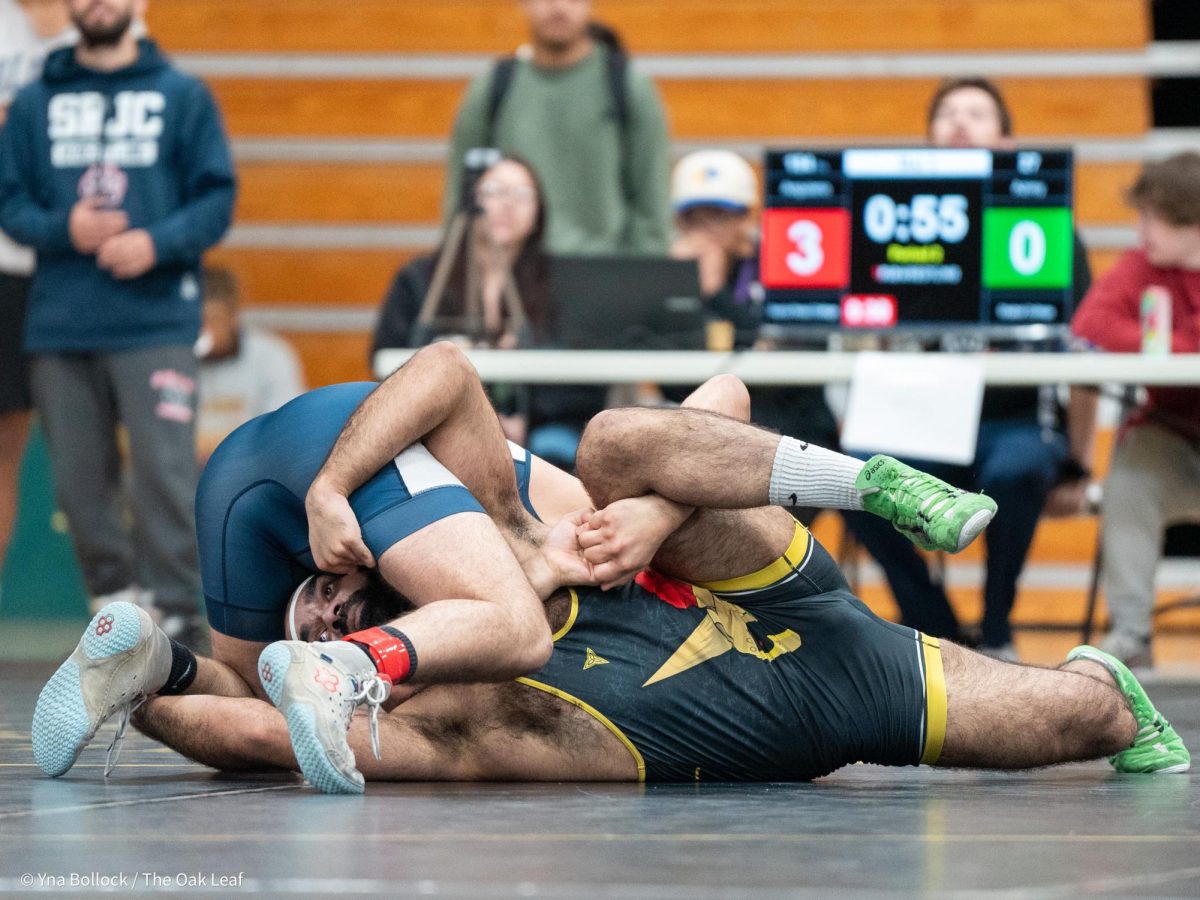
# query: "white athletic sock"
{"type": "Point", "coordinates": [808, 475]}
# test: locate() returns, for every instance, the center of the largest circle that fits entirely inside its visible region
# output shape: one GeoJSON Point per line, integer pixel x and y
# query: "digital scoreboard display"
{"type": "Point", "coordinates": [921, 237]}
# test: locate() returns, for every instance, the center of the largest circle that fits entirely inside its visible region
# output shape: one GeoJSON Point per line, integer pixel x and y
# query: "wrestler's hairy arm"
{"type": "Point", "coordinates": [435, 398]}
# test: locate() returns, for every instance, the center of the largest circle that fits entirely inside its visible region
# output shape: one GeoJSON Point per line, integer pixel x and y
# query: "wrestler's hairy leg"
{"type": "Point", "coordinates": [233, 734]}
{"type": "Point", "coordinates": [718, 544]}
{"type": "Point", "coordinates": [232, 671]}
{"type": "Point", "coordinates": [689, 456]}
{"type": "Point", "coordinates": [555, 493]}
{"type": "Point", "coordinates": [1007, 716]}
{"type": "Point", "coordinates": [702, 459]}
{"type": "Point", "coordinates": [241, 734]}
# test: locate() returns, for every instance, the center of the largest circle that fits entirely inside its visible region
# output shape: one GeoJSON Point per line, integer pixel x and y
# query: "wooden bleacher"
{"type": "Point", "coordinates": [282, 191]}
{"type": "Point", "coordinates": [680, 26]}
{"type": "Point", "coordinates": [813, 108]}
{"type": "Point", "coordinates": [411, 192]}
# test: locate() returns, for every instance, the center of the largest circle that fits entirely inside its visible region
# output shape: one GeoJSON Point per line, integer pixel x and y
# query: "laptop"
{"type": "Point", "coordinates": [627, 303]}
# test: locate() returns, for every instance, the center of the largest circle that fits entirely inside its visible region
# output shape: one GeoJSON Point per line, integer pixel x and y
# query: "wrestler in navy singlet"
{"type": "Point", "coordinates": [250, 518]}
{"type": "Point", "coordinates": [780, 675]}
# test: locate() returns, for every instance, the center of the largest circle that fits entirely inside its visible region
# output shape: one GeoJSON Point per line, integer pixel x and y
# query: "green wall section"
{"type": "Point", "coordinates": [40, 579]}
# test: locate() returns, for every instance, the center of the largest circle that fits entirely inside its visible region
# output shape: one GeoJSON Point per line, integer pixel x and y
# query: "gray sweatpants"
{"type": "Point", "coordinates": [81, 398]}
{"type": "Point", "coordinates": [1154, 482]}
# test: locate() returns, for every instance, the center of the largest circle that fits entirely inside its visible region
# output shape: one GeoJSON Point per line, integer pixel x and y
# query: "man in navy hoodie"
{"type": "Point", "coordinates": [115, 168]}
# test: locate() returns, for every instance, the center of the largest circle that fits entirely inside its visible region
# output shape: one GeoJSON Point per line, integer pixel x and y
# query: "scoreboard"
{"type": "Point", "coordinates": [917, 237]}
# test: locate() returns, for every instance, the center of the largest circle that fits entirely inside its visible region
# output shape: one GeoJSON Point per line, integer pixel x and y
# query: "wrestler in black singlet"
{"type": "Point", "coordinates": [779, 675]}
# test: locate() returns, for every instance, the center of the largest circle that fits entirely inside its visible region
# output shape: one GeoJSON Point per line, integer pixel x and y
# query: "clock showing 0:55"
{"type": "Point", "coordinates": [924, 219]}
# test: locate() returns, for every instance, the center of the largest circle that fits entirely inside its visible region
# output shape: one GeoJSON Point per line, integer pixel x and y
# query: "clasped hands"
{"type": "Point", "coordinates": [121, 251]}
{"type": "Point", "coordinates": [605, 547]}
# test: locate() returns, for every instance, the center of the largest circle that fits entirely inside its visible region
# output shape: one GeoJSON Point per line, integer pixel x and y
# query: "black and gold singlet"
{"type": "Point", "coordinates": [781, 675]}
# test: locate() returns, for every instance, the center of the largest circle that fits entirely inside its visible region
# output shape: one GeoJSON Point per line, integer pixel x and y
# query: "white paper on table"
{"type": "Point", "coordinates": [927, 408]}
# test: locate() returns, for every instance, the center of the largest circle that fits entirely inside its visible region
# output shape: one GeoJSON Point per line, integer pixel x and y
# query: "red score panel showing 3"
{"type": "Point", "coordinates": [806, 248]}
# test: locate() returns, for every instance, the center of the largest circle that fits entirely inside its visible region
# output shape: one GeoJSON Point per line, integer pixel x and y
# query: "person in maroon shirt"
{"type": "Point", "coordinates": [1154, 479]}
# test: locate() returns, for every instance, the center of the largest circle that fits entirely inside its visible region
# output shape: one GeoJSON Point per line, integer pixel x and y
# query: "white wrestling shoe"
{"type": "Point", "coordinates": [121, 659]}
{"type": "Point", "coordinates": [317, 687]}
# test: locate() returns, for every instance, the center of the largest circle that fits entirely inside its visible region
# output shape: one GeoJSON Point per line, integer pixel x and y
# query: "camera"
{"type": "Point", "coordinates": [476, 161]}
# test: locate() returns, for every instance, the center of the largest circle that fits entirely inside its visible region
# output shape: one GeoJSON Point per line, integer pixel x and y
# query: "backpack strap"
{"type": "Point", "coordinates": [502, 76]}
{"type": "Point", "coordinates": [618, 86]}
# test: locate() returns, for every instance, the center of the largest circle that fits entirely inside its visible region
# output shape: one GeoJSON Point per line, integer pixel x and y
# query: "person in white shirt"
{"type": "Point", "coordinates": [244, 371]}
{"type": "Point", "coordinates": [29, 29]}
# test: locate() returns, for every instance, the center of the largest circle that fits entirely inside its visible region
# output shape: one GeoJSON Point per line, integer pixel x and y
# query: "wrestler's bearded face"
{"type": "Point", "coordinates": [332, 606]}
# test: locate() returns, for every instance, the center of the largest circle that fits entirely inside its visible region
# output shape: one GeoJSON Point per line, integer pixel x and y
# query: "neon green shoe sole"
{"type": "Point", "coordinates": [928, 511]}
{"type": "Point", "coordinates": [1157, 749]}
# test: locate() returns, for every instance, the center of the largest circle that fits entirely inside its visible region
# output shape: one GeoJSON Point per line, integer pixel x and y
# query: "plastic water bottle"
{"type": "Point", "coordinates": [1156, 320]}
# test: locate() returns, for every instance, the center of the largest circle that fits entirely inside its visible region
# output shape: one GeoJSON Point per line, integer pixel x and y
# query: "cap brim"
{"type": "Point", "coordinates": [719, 204]}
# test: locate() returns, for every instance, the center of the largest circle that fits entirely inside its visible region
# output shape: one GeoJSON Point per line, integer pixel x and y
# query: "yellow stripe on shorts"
{"type": "Point", "coordinates": [769, 575]}
{"type": "Point", "coordinates": [935, 700]}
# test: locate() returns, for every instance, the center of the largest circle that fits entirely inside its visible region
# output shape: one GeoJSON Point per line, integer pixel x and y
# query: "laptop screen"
{"type": "Point", "coordinates": [627, 303]}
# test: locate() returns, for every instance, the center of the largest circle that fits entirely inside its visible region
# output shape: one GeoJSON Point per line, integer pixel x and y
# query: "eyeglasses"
{"type": "Point", "coordinates": [516, 193]}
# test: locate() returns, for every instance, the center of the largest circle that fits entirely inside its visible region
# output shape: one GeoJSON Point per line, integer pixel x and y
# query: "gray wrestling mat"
{"type": "Point", "coordinates": [164, 824]}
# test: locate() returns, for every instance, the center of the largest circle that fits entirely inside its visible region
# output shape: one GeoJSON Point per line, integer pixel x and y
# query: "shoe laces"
{"type": "Point", "coordinates": [1150, 733]}
{"type": "Point", "coordinates": [373, 691]}
{"type": "Point", "coordinates": [929, 490]}
{"type": "Point", "coordinates": [114, 749]}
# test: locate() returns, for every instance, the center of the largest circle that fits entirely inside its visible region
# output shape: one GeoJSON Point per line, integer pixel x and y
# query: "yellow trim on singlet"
{"type": "Point", "coordinates": [571, 617]}
{"type": "Point", "coordinates": [935, 700]}
{"type": "Point", "coordinates": [771, 574]}
{"type": "Point", "coordinates": [595, 714]}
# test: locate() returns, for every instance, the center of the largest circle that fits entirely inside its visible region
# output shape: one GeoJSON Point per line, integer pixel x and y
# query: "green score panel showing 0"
{"type": "Point", "coordinates": [1027, 248]}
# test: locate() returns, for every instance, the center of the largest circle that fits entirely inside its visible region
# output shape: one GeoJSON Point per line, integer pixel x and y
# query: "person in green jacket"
{"type": "Point", "coordinates": [593, 128]}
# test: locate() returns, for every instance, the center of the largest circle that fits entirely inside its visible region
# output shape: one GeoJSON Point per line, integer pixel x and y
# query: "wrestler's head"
{"type": "Point", "coordinates": [328, 607]}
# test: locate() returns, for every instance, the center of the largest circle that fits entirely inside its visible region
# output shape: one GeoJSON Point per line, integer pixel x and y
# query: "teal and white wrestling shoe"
{"type": "Point", "coordinates": [317, 687]}
{"type": "Point", "coordinates": [1157, 749]}
{"type": "Point", "coordinates": [928, 511]}
{"type": "Point", "coordinates": [121, 659]}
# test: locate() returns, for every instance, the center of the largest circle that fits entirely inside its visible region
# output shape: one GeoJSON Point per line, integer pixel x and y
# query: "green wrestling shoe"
{"type": "Point", "coordinates": [932, 514]}
{"type": "Point", "coordinates": [1157, 749]}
